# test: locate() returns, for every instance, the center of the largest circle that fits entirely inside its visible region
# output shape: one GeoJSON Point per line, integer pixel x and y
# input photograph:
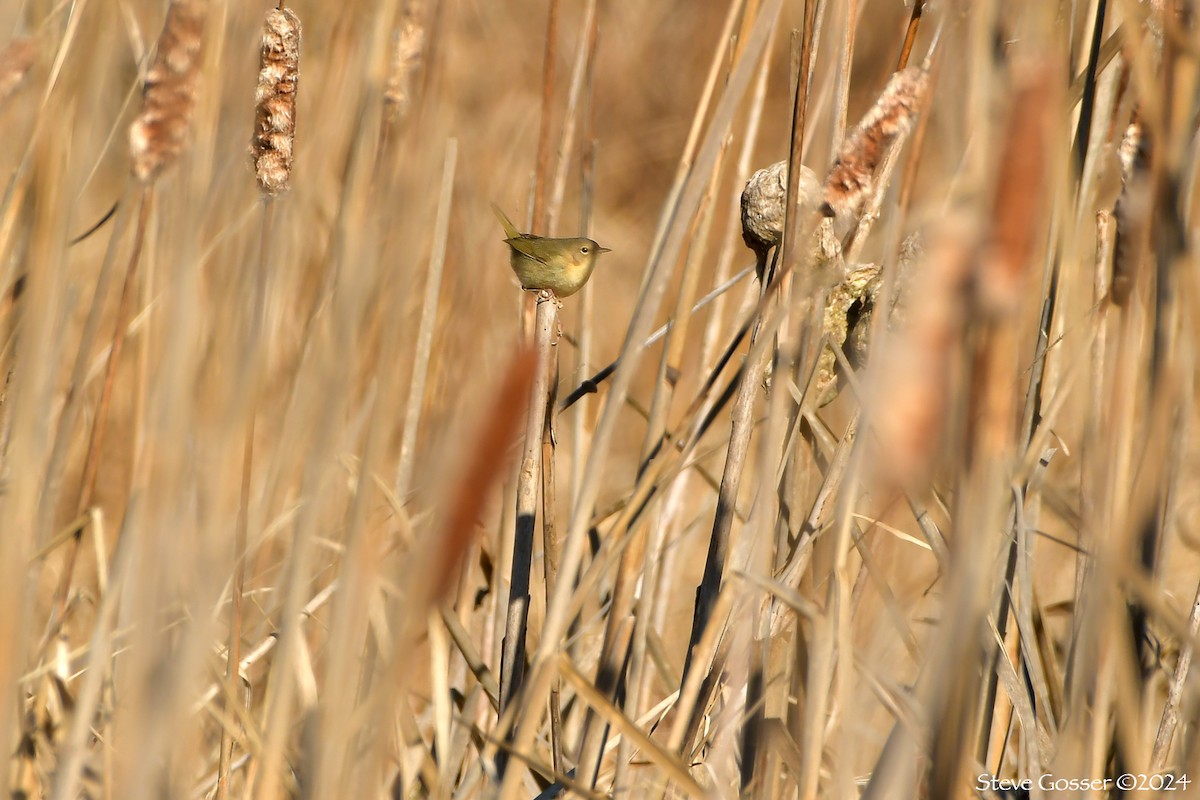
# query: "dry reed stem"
{"type": "Point", "coordinates": [512, 664]}
{"type": "Point", "coordinates": [581, 75]}
{"type": "Point", "coordinates": [91, 464]}
{"type": "Point", "coordinates": [845, 61]}
{"type": "Point", "coordinates": [161, 130]}
{"type": "Point", "coordinates": [253, 365]}
{"type": "Point", "coordinates": [1088, 98]}
{"type": "Point", "coordinates": [275, 101]}
{"type": "Point", "coordinates": [550, 548]}
{"type": "Point", "coordinates": [408, 57]}
{"type": "Point", "coordinates": [790, 252]}
{"type": "Point", "coordinates": [424, 344]}
{"type": "Point", "coordinates": [579, 92]}
{"type": "Point", "coordinates": [910, 34]}
{"type": "Point", "coordinates": [852, 178]}
{"type": "Point", "coordinates": [15, 62]}
{"type": "Point", "coordinates": [615, 650]}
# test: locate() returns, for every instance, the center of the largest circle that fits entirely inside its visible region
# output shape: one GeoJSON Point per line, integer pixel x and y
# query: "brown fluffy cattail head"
{"type": "Point", "coordinates": [275, 101]}
{"type": "Point", "coordinates": [916, 370]}
{"type": "Point", "coordinates": [852, 176]}
{"type": "Point", "coordinates": [1024, 169]}
{"type": "Point", "coordinates": [160, 132]}
{"type": "Point", "coordinates": [15, 63]}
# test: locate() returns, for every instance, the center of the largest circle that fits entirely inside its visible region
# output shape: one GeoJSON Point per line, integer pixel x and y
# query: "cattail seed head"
{"type": "Point", "coordinates": [160, 132]}
{"type": "Point", "coordinates": [852, 176]}
{"type": "Point", "coordinates": [915, 370]}
{"type": "Point", "coordinates": [1018, 205]}
{"type": "Point", "coordinates": [275, 101]}
{"type": "Point", "coordinates": [15, 63]}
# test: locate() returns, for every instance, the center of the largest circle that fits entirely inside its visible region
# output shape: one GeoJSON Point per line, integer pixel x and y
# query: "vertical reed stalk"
{"type": "Point", "coordinates": [512, 664]}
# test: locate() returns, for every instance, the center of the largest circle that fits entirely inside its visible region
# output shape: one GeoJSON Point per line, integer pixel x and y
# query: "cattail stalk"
{"type": "Point", "coordinates": [272, 148]}
{"type": "Point", "coordinates": [512, 663]}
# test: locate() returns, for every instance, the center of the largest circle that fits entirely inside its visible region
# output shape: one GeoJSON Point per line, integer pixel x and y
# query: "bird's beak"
{"type": "Point", "coordinates": [600, 250]}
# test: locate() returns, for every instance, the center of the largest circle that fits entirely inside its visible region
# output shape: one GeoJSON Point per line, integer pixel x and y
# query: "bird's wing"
{"type": "Point", "coordinates": [525, 245]}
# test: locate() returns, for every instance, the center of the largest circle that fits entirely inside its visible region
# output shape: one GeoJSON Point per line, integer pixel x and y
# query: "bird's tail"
{"type": "Point", "coordinates": [510, 230]}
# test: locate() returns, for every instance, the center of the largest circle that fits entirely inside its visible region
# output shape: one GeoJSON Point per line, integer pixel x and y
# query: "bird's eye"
{"type": "Point", "coordinates": [583, 249]}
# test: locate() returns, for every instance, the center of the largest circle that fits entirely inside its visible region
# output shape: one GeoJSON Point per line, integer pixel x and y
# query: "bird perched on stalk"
{"type": "Point", "coordinates": [561, 266]}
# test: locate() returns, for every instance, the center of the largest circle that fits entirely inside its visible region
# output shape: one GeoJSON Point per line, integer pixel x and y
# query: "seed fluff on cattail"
{"type": "Point", "coordinates": [852, 175]}
{"type": "Point", "coordinates": [275, 101]}
{"type": "Point", "coordinates": [160, 132]}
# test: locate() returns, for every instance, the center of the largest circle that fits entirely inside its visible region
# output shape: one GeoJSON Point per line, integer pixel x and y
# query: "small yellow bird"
{"type": "Point", "coordinates": [562, 266]}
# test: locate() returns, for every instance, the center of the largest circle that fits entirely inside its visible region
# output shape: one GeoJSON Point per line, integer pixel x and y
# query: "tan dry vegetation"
{"type": "Point", "coordinates": [979, 559]}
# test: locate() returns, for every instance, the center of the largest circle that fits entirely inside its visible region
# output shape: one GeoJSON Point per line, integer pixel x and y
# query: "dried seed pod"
{"type": "Point", "coordinates": [160, 132]}
{"type": "Point", "coordinates": [763, 202]}
{"type": "Point", "coordinates": [852, 176]}
{"type": "Point", "coordinates": [1132, 210]}
{"type": "Point", "coordinates": [844, 307]}
{"type": "Point", "coordinates": [15, 63]}
{"type": "Point", "coordinates": [408, 56]}
{"type": "Point", "coordinates": [275, 101]}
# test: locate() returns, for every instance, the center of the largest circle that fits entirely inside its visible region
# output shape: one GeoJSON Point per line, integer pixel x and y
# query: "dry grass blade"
{"type": "Point", "coordinates": [672, 768]}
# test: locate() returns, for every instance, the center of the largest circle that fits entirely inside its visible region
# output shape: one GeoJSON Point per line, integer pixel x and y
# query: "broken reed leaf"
{"type": "Point", "coordinates": [159, 133]}
{"type": "Point", "coordinates": [852, 176]}
{"type": "Point", "coordinates": [408, 55]}
{"type": "Point", "coordinates": [275, 101]}
{"type": "Point", "coordinates": [15, 63]}
{"type": "Point", "coordinates": [1132, 210]}
{"type": "Point", "coordinates": [1019, 204]}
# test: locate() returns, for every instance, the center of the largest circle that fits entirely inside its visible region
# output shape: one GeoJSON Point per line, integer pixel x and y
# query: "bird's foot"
{"type": "Point", "coordinates": [545, 295]}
